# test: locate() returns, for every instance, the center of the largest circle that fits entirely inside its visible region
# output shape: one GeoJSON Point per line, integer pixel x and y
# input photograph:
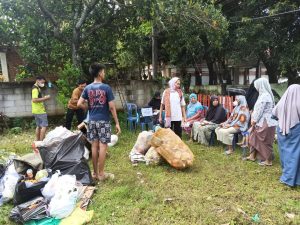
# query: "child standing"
{"type": "Point", "coordinates": [245, 140]}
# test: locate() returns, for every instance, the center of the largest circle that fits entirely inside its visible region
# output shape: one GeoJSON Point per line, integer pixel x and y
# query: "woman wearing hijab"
{"type": "Point", "coordinates": [237, 122]}
{"type": "Point", "coordinates": [251, 96]}
{"type": "Point", "coordinates": [194, 112]}
{"type": "Point", "coordinates": [288, 113]}
{"type": "Point", "coordinates": [173, 101]}
{"type": "Point", "coordinates": [263, 125]}
{"type": "Point", "coordinates": [215, 115]}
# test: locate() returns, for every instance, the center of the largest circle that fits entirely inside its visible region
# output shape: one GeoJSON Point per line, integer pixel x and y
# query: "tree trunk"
{"type": "Point", "coordinates": [154, 52]}
{"type": "Point", "coordinates": [272, 70]}
{"type": "Point", "coordinates": [212, 74]}
{"type": "Point", "coordinates": [272, 64]}
{"type": "Point", "coordinates": [76, 59]}
{"type": "Point", "coordinates": [257, 69]}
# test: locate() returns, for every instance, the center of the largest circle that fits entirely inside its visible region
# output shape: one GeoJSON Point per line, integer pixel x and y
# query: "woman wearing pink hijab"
{"type": "Point", "coordinates": [288, 132]}
{"type": "Point", "coordinates": [173, 101]}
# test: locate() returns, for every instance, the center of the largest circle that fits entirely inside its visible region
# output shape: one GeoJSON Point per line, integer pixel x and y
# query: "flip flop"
{"type": "Point", "coordinates": [106, 176]}
{"type": "Point", "coordinates": [263, 163]}
{"type": "Point", "coordinates": [228, 152]}
{"type": "Point", "coordinates": [249, 159]}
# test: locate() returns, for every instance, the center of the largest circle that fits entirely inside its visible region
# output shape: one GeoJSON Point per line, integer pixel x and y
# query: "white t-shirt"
{"type": "Point", "coordinates": [176, 114]}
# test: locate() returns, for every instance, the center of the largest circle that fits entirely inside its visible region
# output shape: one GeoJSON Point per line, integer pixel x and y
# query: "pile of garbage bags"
{"type": "Point", "coordinates": [163, 144]}
{"type": "Point", "coordinates": [47, 185]}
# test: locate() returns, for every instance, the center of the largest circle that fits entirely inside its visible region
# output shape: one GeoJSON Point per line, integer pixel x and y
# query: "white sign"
{"type": "Point", "coordinates": [147, 112]}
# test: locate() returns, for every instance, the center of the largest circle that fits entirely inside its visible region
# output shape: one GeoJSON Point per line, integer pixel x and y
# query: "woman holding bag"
{"type": "Point", "coordinates": [173, 101]}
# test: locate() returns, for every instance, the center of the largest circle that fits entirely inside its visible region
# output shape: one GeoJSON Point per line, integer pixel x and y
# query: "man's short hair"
{"type": "Point", "coordinates": [40, 78]}
{"type": "Point", "coordinates": [81, 82]}
{"type": "Point", "coordinates": [95, 68]}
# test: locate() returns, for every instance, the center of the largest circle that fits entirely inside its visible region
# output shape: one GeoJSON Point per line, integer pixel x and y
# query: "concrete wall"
{"type": "Point", "coordinates": [15, 99]}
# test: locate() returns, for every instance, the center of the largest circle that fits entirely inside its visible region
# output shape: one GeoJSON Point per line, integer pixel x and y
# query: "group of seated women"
{"type": "Point", "coordinates": [254, 116]}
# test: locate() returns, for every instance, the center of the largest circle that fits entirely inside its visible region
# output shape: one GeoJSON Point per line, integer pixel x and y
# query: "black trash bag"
{"type": "Point", "coordinates": [31, 210]}
{"type": "Point", "coordinates": [24, 194]}
{"type": "Point", "coordinates": [67, 156]}
{"type": "Point", "coordinates": [2, 170]}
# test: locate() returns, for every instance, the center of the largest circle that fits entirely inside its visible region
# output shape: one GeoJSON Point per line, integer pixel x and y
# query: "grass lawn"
{"type": "Point", "coordinates": [218, 189]}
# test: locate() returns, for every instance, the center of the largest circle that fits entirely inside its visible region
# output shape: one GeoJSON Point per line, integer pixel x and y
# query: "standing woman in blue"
{"type": "Point", "coordinates": [288, 113]}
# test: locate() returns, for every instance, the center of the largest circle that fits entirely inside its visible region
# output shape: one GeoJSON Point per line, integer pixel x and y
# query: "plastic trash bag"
{"type": "Point", "coordinates": [33, 209]}
{"type": "Point", "coordinates": [66, 155]}
{"type": "Point", "coordinates": [152, 157]}
{"type": "Point", "coordinates": [172, 148]}
{"type": "Point", "coordinates": [49, 190]}
{"type": "Point", "coordinates": [57, 134]}
{"type": "Point", "coordinates": [64, 201]}
{"type": "Point", "coordinates": [78, 217]}
{"type": "Point", "coordinates": [45, 221]}
{"type": "Point", "coordinates": [141, 146]}
{"type": "Point", "coordinates": [24, 193]}
{"type": "Point", "coordinates": [113, 140]}
{"type": "Point", "coordinates": [8, 183]}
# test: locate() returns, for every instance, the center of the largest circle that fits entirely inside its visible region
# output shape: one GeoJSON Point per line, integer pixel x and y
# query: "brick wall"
{"type": "Point", "coordinates": [15, 99]}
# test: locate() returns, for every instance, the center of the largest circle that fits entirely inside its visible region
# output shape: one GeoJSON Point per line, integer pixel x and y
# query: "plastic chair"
{"type": "Point", "coordinates": [146, 119]}
{"type": "Point", "coordinates": [132, 116]}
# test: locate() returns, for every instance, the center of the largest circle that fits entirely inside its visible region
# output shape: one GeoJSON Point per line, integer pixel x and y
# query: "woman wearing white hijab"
{"type": "Point", "coordinates": [288, 132]}
{"type": "Point", "coordinates": [237, 122]}
{"type": "Point", "coordinates": [174, 104]}
{"type": "Point", "coordinates": [263, 125]}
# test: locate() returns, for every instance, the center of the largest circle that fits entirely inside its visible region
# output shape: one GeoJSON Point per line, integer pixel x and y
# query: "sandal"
{"type": "Point", "coordinates": [263, 163]}
{"type": "Point", "coordinates": [94, 176]}
{"type": "Point", "coordinates": [250, 159]}
{"type": "Point", "coordinates": [228, 152]}
{"type": "Point", "coordinates": [106, 176]}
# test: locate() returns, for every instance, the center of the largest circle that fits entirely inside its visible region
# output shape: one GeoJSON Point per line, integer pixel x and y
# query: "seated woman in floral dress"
{"type": "Point", "coordinates": [194, 112]}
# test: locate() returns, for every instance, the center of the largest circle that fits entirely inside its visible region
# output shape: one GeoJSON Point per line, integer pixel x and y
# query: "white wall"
{"type": "Point", "coordinates": [4, 66]}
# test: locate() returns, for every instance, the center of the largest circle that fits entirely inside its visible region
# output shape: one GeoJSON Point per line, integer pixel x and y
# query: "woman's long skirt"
{"type": "Point", "coordinates": [261, 141]}
{"type": "Point", "coordinates": [289, 150]}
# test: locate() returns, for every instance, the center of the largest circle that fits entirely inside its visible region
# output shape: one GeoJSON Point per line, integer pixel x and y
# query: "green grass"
{"type": "Point", "coordinates": [218, 189]}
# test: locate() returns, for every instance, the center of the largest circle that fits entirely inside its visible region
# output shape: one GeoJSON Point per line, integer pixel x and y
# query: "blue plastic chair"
{"type": "Point", "coordinates": [132, 116]}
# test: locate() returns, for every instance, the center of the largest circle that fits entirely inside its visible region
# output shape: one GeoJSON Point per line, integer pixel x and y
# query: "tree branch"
{"type": "Point", "coordinates": [49, 16]}
{"type": "Point", "coordinates": [96, 27]}
{"type": "Point", "coordinates": [86, 11]}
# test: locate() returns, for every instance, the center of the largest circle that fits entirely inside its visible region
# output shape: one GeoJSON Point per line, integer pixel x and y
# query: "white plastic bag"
{"type": "Point", "coordinates": [50, 188]}
{"type": "Point", "coordinates": [10, 180]}
{"type": "Point", "coordinates": [86, 154]}
{"type": "Point", "coordinates": [114, 139]}
{"type": "Point", "coordinates": [66, 194]}
{"type": "Point", "coordinates": [62, 206]}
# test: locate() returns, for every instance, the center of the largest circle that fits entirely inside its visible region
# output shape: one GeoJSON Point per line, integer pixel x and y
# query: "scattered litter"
{"type": "Point", "coordinates": [256, 218]}
{"type": "Point", "coordinates": [241, 211]}
{"type": "Point", "coordinates": [113, 140]}
{"type": "Point", "coordinates": [209, 198]}
{"type": "Point", "coordinates": [290, 215]}
{"type": "Point", "coordinates": [168, 200]}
